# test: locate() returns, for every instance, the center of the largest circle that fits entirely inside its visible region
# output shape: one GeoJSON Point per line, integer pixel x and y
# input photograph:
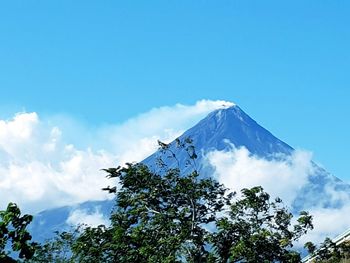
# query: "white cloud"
{"type": "Point", "coordinates": [79, 217]}
{"type": "Point", "coordinates": [328, 222]}
{"type": "Point", "coordinates": [283, 177]}
{"type": "Point", "coordinates": [56, 161]}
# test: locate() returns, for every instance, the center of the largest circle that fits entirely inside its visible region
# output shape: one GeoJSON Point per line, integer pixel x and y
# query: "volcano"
{"type": "Point", "coordinates": [224, 130]}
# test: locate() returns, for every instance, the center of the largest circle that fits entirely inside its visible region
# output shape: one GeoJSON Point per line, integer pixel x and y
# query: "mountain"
{"type": "Point", "coordinates": [222, 130]}
{"type": "Point", "coordinates": [234, 125]}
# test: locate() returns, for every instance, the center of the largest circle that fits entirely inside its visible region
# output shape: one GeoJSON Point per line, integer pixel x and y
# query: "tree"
{"type": "Point", "coordinates": [258, 230]}
{"type": "Point", "coordinates": [57, 249]}
{"type": "Point", "coordinates": [158, 218]}
{"type": "Point", "coordinates": [14, 235]}
{"type": "Point", "coordinates": [329, 251]}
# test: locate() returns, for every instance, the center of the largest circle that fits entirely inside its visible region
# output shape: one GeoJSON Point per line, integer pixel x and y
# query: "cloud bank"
{"type": "Point", "coordinates": [89, 219]}
{"type": "Point", "coordinates": [55, 161]}
{"type": "Point", "coordinates": [285, 177]}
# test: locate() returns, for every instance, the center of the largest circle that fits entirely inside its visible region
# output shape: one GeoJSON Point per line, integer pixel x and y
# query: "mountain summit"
{"type": "Point", "coordinates": [233, 125]}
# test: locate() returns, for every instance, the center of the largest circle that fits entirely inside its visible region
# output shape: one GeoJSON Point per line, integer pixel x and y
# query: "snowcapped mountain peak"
{"type": "Point", "coordinates": [234, 124]}
{"type": "Point", "coordinates": [231, 112]}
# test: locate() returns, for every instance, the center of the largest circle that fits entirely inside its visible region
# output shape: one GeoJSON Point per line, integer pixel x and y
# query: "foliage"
{"type": "Point", "coordinates": [14, 235]}
{"type": "Point", "coordinates": [258, 230]}
{"type": "Point", "coordinates": [162, 218]}
{"type": "Point", "coordinates": [95, 244]}
{"type": "Point", "coordinates": [58, 249]}
{"type": "Point", "coordinates": [329, 252]}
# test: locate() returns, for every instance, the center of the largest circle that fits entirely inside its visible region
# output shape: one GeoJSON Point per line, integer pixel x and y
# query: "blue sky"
{"type": "Point", "coordinates": [286, 63]}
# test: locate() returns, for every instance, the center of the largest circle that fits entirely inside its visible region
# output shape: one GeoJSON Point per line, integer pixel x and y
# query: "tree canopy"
{"type": "Point", "coordinates": [14, 237]}
{"type": "Point", "coordinates": [329, 251]}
